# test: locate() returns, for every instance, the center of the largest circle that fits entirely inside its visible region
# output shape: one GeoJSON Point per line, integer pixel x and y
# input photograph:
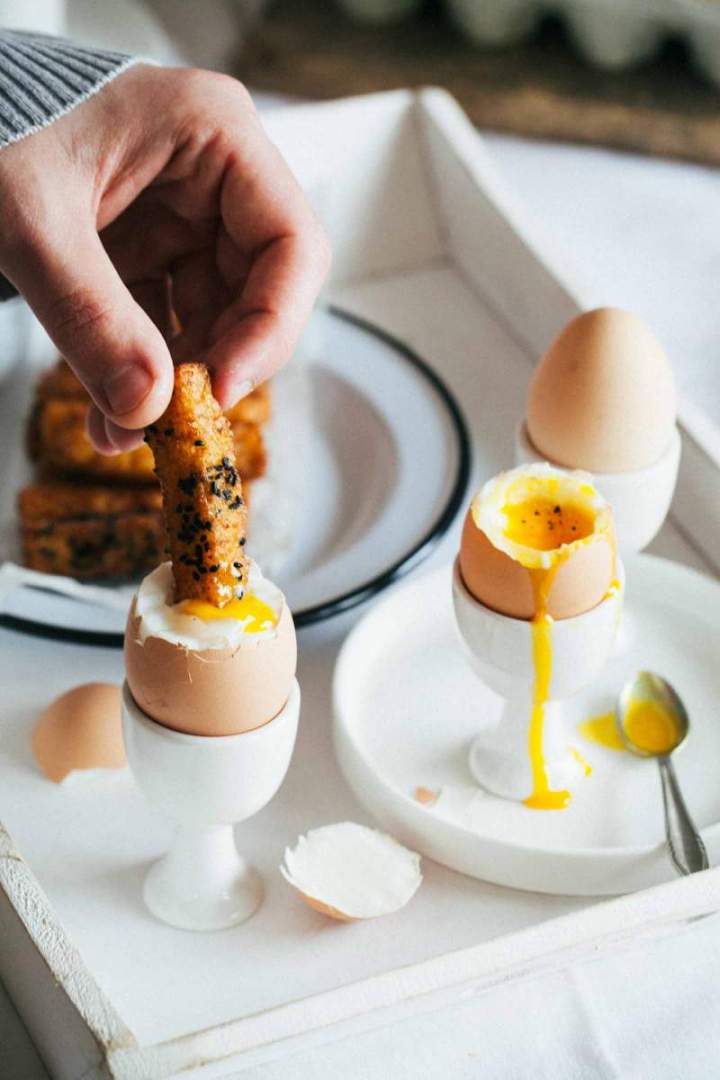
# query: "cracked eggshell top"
{"type": "Point", "coordinates": [222, 682]}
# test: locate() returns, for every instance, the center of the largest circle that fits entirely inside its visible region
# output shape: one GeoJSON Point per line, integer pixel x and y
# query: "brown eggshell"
{"type": "Point", "coordinates": [603, 396]}
{"type": "Point", "coordinates": [504, 585]}
{"type": "Point", "coordinates": [213, 691]}
{"type": "Point", "coordinates": [81, 729]}
{"type": "Point", "coordinates": [327, 909]}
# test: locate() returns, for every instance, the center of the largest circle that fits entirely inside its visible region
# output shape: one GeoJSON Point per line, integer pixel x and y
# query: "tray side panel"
{"type": "Point", "coordinates": [549, 946]}
{"type": "Point", "coordinates": [360, 161]}
{"type": "Point", "coordinates": [486, 234]}
{"type": "Point", "coordinates": [68, 1018]}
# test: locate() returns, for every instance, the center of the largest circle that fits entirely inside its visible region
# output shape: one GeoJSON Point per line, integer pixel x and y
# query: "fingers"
{"type": "Point", "coordinates": [107, 437]}
{"type": "Point", "coordinates": [258, 330]}
{"type": "Point", "coordinates": [106, 337]}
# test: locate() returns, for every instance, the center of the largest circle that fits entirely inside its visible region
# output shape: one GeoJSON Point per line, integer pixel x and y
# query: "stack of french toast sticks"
{"type": "Point", "coordinates": [91, 516]}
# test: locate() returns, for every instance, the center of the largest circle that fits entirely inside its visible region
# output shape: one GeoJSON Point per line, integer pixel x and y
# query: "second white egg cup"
{"type": "Point", "coordinates": [206, 784]}
{"type": "Point", "coordinates": [500, 649]}
{"type": "Point", "coordinates": [640, 498]}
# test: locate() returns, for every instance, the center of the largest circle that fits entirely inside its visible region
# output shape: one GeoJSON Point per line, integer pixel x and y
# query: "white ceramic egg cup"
{"type": "Point", "coordinates": [207, 784]}
{"type": "Point", "coordinates": [640, 499]}
{"type": "Point", "coordinates": [500, 650]}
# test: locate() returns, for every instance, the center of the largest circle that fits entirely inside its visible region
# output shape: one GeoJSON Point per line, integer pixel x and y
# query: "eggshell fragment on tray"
{"type": "Point", "coordinates": [80, 730]}
{"type": "Point", "coordinates": [603, 395]}
{"type": "Point", "coordinates": [350, 872]}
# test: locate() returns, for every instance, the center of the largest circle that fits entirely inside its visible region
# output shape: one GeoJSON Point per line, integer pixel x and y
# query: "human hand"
{"type": "Point", "coordinates": [161, 187]}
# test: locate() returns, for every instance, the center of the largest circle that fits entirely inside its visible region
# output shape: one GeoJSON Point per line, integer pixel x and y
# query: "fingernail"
{"type": "Point", "coordinates": [127, 388]}
{"type": "Point", "coordinates": [245, 388]}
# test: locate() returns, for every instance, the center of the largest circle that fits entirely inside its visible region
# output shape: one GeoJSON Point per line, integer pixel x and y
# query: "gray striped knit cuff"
{"type": "Point", "coordinates": [42, 78]}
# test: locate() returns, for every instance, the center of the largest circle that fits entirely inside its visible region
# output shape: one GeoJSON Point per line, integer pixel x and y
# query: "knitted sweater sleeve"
{"type": "Point", "coordinates": [41, 79]}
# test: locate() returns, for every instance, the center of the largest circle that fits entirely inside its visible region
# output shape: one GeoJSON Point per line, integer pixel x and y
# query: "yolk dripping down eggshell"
{"type": "Point", "coordinates": [603, 396]}
{"type": "Point", "coordinates": [501, 583]}
{"type": "Point", "coordinates": [219, 691]}
{"type": "Point", "coordinates": [82, 729]}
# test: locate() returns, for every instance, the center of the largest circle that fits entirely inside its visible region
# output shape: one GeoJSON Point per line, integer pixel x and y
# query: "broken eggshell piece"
{"type": "Point", "coordinates": [80, 731]}
{"type": "Point", "coordinates": [208, 677]}
{"type": "Point", "coordinates": [351, 872]}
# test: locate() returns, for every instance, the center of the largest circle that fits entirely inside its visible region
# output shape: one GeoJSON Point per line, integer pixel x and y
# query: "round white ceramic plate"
{"type": "Point", "coordinates": [386, 461]}
{"type": "Point", "coordinates": [407, 707]}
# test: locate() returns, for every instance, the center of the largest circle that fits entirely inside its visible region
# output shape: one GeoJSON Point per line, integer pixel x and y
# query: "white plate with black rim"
{"type": "Point", "coordinates": [386, 463]}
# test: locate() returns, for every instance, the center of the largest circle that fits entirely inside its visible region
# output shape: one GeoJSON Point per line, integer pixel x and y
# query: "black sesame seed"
{"type": "Point", "coordinates": [214, 568]}
{"type": "Point", "coordinates": [556, 510]}
{"type": "Point", "coordinates": [199, 442]}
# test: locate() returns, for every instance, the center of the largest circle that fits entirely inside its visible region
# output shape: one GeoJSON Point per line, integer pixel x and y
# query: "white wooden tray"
{"type": "Point", "coordinates": [428, 247]}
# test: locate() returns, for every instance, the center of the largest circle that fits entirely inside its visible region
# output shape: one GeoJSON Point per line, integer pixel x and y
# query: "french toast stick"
{"type": "Point", "coordinates": [203, 506]}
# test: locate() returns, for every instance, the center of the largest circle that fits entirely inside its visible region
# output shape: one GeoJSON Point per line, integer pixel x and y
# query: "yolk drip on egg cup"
{"type": "Point", "coordinates": [544, 525]}
{"type": "Point", "coordinates": [540, 525]}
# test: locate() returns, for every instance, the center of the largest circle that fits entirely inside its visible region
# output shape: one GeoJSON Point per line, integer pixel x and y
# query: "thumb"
{"type": "Point", "coordinates": [118, 353]}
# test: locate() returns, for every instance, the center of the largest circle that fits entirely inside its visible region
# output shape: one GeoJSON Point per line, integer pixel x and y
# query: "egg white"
{"type": "Point", "coordinates": [160, 618]}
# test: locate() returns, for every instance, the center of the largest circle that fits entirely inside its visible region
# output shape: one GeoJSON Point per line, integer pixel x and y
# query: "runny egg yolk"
{"type": "Point", "coordinates": [603, 730]}
{"type": "Point", "coordinates": [260, 615]}
{"type": "Point", "coordinates": [651, 726]}
{"type": "Point", "coordinates": [542, 524]}
{"type": "Point", "coordinates": [545, 525]}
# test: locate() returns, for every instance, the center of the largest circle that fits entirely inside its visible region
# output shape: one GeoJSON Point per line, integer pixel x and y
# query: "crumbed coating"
{"type": "Point", "coordinates": [54, 501]}
{"type": "Point", "coordinates": [89, 531]}
{"type": "Point", "coordinates": [205, 513]}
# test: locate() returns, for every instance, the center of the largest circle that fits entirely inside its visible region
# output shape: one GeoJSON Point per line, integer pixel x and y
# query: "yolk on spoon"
{"type": "Point", "coordinates": [651, 726]}
{"type": "Point", "coordinates": [648, 724]}
{"type": "Point", "coordinates": [248, 606]}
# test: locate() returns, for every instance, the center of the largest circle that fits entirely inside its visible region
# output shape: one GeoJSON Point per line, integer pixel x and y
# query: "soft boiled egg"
{"type": "Point", "coordinates": [602, 397]}
{"type": "Point", "coordinates": [538, 539]}
{"type": "Point", "coordinates": [539, 544]}
{"type": "Point", "coordinates": [205, 670]}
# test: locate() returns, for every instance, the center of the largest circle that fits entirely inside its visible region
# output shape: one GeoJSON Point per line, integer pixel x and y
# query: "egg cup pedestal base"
{"type": "Point", "coordinates": [499, 648]}
{"type": "Point", "coordinates": [499, 757]}
{"type": "Point", "coordinates": [203, 883]}
{"type": "Point", "coordinates": [207, 783]}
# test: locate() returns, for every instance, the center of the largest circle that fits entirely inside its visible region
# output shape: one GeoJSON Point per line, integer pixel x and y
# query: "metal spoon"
{"type": "Point", "coordinates": [687, 849]}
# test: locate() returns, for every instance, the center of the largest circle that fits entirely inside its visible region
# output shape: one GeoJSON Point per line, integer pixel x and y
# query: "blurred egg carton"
{"type": "Point", "coordinates": [611, 34]}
